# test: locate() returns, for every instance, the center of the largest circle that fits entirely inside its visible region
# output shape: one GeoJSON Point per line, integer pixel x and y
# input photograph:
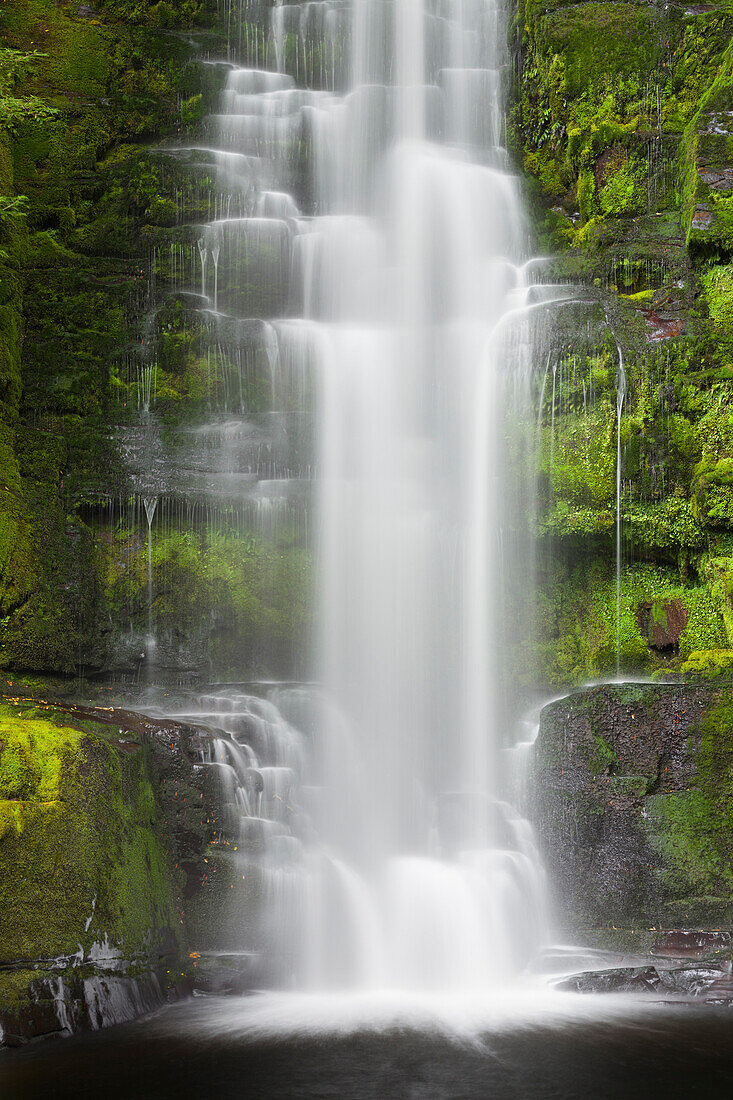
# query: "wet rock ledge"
{"type": "Point", "coordinates": [691, 966]}
{"type": "Point", "coordinates": [105, 818]}
{"type": "Point", "coordinates": [634, 811]}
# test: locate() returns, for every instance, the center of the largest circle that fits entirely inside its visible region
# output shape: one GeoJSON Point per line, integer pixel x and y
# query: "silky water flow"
{"type": "Point", "coordinates": [366, 815]}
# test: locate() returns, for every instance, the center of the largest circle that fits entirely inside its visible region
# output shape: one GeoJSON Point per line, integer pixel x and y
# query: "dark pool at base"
{"type": "Point", "coordinates": [671, 1052]}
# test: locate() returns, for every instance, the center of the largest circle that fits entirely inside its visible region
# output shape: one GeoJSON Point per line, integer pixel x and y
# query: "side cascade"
{"type": "Point", "coordinates": [377, 208]}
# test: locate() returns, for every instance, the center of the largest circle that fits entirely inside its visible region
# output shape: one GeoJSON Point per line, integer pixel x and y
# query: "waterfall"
{"type": "Point", "coordinates": [383, 222]}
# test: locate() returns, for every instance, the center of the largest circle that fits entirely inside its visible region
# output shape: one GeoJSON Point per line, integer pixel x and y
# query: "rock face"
{"type": "Point", "coordinates": [662, 623]}
{"type": "Point", "coordinates": [104, 823]}
{"type": "Point", "coordinates": [94, 461]}
{"type": "Point", "coordinates": [692, 945]}
{"type": "Point", "coordinates": [633, 809]}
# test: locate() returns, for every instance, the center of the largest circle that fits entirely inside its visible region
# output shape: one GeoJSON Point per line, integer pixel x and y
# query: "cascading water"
{"type": "Point", "coordinates": [409, 305]}
{"type": "Point", "coordinates": [418, 532]}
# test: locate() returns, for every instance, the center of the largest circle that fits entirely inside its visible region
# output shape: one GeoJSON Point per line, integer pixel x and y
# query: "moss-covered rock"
{"type": "Point", "coordinates": [634, 806]}
{"type": "Point", "coordinates": [707, 167]}
{"type": "Point", "coordinates": [104, 828]}
{"type": "Point", "coordinates": [79, 94]}
{"type": "Point", "coordinates": [77, 815]}
{"type": "Point", "coordinates": [584, 630]}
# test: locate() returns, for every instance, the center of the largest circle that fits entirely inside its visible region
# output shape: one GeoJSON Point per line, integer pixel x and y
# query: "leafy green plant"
{"type": "Point", "coordinates": [622, 193]}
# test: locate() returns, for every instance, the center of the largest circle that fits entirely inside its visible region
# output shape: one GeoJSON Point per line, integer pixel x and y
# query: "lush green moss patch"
{"type": "Point", "coordinates": [79, 856]}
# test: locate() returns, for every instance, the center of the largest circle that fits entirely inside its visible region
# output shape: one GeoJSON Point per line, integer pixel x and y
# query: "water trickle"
{"type": "Point", "coordinates": [620, 397]}
{"type": "Point", "coordinates": [552, 418]}
{"type": "Point", "coordinates": [215, 260]}
{"type": "Point", "coordinates": [203, 256]}
{"type": "Point", "coordinates": [150, 504]}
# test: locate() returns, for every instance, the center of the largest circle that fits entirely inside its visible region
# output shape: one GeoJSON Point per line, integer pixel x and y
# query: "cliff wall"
{"type": "Point", "coordinates": [634, 788]}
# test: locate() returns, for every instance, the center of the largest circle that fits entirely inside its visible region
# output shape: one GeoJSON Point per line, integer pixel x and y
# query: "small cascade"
{"type": "Point", "coordinates": [150, 504]}
{"type": "Point", "coordinates": [215, 260]}
{"type": "Point", "coordinates": [259, 759]}
{"type": "Point", "coordinates": [203, 257]}
{"type": "Point", "coordinates": [389, 918]}
{"type": "Point", "coordinates": [586, 434]}
{"type": "Point", "coordinates": [552, 418]}
{"type": "Point", "coordinates": [146, 388]}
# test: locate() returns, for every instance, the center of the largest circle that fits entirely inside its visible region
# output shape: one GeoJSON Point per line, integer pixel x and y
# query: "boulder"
{"type": "Point", "coordinates": [628, 979]}
{"type": "Point", "coordinates": [633, 813]}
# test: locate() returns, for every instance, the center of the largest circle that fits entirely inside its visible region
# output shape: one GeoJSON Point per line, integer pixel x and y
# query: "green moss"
{"type": "Point", "coordinates": [602, 756]}
{"type": "Point", "coordinates": [708, 664]}
{"type": "Point", "coordinates": [581, 102]}
{"type": "Point", "coordinates": [577, 620]}
{"type": "Point", "coordinates": [715, 756]}
{"type": "Point", "coordinates": [713, 475]}
{"type": "Point", "coordinates": [623, 192]}
{"type": "Point", "coordinates": [77, 95]}
{"type": "Point", "coordinates": [682, 827]}
{"type": "Point", "coordinates": [718, 284]}
{"type": "Point", "coordinates": [79, 854]}
{"type": "Point", "coordinates": [693, 829]}
{"type": "Point", "coordinates": [33, 756]}
{"type": "Point", "coordinates": [601, 40]}
{"type": "Point", "coordinates": [707, 213]}
{"type": "Point", "coordinates": [238, 600]}
{"type": "Point", "coordinates": [577, 625]}
{"type": "Point", "coordinates": [629, 786]}
{"type": "Point", "coordinates": [581, 473]}
{"type": "Point", "coordinates": [667, 526]}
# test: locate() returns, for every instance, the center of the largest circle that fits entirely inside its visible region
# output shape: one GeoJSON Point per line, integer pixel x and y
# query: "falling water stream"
{"type": "Point", "coordinates": [386, 854]}
{"type": "Point", "coordinates": [376, 827]}
{"type": "Point", "coordinates": [620, 398]}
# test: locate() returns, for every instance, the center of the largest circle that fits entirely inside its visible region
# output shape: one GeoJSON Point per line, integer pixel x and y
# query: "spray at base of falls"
{"type": "Point", "coordinates": [431, 920]}
{"type": "Point", "coordinates": [374, 821]}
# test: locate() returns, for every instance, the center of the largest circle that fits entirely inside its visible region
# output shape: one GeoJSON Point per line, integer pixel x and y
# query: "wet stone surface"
{"type": "Point", "coordinates": [631, 811]}
{"type": "Point", "coordinates": [713, 981]}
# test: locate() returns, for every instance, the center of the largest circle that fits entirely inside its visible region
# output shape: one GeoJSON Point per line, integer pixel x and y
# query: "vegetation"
{"type": "Point", "coordinates": [611, 118]}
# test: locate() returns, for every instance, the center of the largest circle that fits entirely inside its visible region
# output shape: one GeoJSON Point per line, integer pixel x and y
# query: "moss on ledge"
{"type": "Point", "coordinates": [80, 856]}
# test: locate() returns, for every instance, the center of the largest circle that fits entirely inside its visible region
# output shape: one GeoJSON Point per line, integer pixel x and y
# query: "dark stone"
{"type": "Point", "coordinates": [662, 622]}
{"type": "Point", "coordinates": [687, 981]}
{"type": "Point", "coordinates": [692, 981]}
{"type": "Point", "coordinates": [223, 973]}
{"type": "Point", "coordinates": [82, 998]}
{"type": "Point", "coordinates": [629, 979]}
{"type": "Point", "coordinates": [721, 990]}
{"type": "Point", "coordinates": [10, 1040]}
{"type": "Point", "coordinates": [702, 218]}
{"type": "Point", "coordinates": [684, 944]}
{"type": "Point", "coordinates": [254, 781]}
{"type": "Point", "coordinates": [619, 806]}
{"type": "Point", "coordinates": [662, 328]}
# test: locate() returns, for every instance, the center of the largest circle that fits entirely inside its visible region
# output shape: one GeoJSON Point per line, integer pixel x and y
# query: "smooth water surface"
{"type": "Point", "coordinates": [272, 1046]}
